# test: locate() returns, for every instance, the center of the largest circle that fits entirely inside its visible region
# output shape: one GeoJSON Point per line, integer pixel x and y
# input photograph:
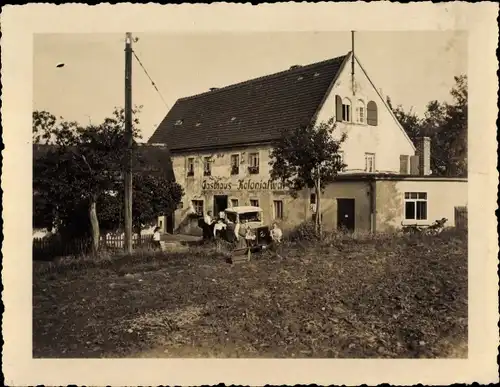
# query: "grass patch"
{"type": "Point", "coordinates": [358, 296]}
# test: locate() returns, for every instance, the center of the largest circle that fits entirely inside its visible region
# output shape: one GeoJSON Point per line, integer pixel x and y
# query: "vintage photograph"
{"type": "Point", "coordinates": [250, 195]}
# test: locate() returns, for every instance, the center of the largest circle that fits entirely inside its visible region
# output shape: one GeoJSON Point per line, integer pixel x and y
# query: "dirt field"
{"type": "Point", "coordinates": [349, 298]}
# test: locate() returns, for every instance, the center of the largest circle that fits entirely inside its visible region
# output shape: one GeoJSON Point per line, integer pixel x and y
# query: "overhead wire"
{"type": "Point", "coordinates": [152, 82]}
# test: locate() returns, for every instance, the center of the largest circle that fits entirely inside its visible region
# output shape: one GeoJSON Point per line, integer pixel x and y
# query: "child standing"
{"type": "Point", "coordinates": [156, 238]}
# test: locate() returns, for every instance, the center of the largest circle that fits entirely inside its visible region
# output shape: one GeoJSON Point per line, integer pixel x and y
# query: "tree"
{"type": "Point", "coordinates": [83, 169]}
{"type": "Point", "coordinates": [308, 156]}
{"type": "Point", "coordinates": [446, 125]}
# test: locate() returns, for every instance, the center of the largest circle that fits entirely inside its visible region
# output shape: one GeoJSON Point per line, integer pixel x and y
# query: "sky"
{"type": "Point", "coordinates": [412, 68]}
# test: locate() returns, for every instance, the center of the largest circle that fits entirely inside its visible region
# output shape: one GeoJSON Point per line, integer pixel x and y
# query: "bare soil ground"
{"type": "Point", "coordinates": [388, 297]}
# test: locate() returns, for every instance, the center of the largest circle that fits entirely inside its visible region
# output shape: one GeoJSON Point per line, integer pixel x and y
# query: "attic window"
{"type": "Point", "coordinates": [300, 78]}
{"type": "Point", "coordinates": [198, 123]}
{"type": "Point", "coordinates": [316, 74]}
{"type": "Point", "coordinates": [178, 122]}
{"type": "Point", "coordinates": [233, 118]}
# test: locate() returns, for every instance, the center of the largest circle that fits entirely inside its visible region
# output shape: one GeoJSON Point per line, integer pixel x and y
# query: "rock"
{"type": "Point", "coordinates": [421, 342]}
{"type": "Point", "coordinates": [128, 275]}
{"type": "Point", "coordinates": [130, 331]}
{"type": "Point", "coordinates": [352, 345]}
{"type": "Point", "coordinates": [381, 350]}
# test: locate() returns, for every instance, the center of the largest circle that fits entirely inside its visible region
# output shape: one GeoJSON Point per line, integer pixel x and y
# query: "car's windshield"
{"type": "Point", "coordinates": [250, 217]}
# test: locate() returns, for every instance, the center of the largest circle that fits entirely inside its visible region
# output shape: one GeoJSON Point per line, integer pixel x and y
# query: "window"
{"type": "Point", "coordinates": [190, 166]}
{"type": "Point", "coordinates": [198, 207]}
{"type": "Point", "coordinates": [253, 163]}
{"type": "Point", "coordinates": [278, 209]}
{"type": "Point", "coordinates": [235, 164]}
{"type": "Point", "coordinates": [360, 112]}
{"type": "Point", "coordinates": [346, 110]}
{"type": "Point", "coordinates": [207, 166]}
{"type": "Point", "coordinates": [370, 162]}
{"type": "Point", "coordinates": [371, 114]}
{"type": "Point", "coordinates": [178, 122]}
{"type": "Point", "coordinates": [234, 202]}
{"type": "Point", "coordinates": [254, 202]}
{"type": "Point", "coordinates": [339, 157]}
{"type": "Point", "coordinates": [415, 205]}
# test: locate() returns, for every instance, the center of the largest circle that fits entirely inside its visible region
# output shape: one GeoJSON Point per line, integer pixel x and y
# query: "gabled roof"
{"type": "Point", "coordinates": [249, 112]}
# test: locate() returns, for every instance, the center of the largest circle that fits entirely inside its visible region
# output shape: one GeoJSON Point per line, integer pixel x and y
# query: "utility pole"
{"type": "Point", "coordinates": [128, 137]}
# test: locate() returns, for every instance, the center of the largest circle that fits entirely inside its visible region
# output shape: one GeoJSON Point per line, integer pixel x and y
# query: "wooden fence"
{"type": "Point", "coordinates": [52, 247]}
{"type": "Point", "coordinates": [461, 218]}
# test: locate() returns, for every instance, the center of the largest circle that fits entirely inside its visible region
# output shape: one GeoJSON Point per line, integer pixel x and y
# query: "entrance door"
{"type": "Point", "coordinates": [220, 204]}
{"type": "Point", "coordinates": [345, 214]}
{"type": "Point", "coordinates": [170, 223]}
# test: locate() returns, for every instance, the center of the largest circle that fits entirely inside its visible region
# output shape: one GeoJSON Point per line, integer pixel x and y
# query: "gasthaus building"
{"type": "Point", "coordinates": [220, 142]}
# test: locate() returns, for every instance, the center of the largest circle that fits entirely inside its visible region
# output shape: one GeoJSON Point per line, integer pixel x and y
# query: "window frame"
{"type": "Point", "coordinates": [235, 167]}
{"type": "Point", "coordinates": [346, 107]}
{"type": "Point", "coordinates": [207, 161]}
{"type": "Point", "coordinates": [252, 203]}
{"type": "Point", "coordinates": [194, 203]}
{"type": "Point", "coordinates": [415, 197]}
{"type": "Point", "coordinates": [369, 155]}
{"type": "Point", "coordinates": [253, 168]}
{"type": "Point", "coordinates": [275, 215]}
{"type": "Point", "coordinates": [361, 112]}
{"type": "Point", "coordinates": [233, 201]}
{"type": "Point", "coordinates": [190, 162]}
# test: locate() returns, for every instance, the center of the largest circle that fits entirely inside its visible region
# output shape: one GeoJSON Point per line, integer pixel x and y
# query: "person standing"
{"type": "Point", "coordinates": [208, 229]}
{"type": "Point", "coordinates": [156, 239]}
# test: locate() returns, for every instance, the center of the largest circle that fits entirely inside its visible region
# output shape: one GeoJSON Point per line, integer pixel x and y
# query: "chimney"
{"type": "Point", "coordinates": [414, 165]}
{"type": "Point", "coordinates": [423, 152]}
{"type": "Point", "coordinates": [295, 67]}
{"type": "Point", "coordinates": [404, 164]}
{"type": "Point", "coordinates": [213, 88]}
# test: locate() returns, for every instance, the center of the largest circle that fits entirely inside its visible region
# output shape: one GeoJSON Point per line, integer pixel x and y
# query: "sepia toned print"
{"type": "Point", "coordinates": [298, 214]}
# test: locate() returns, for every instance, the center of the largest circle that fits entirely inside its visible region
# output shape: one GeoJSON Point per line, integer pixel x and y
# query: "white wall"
{"type": "Point", "coordinates": [387, 140]}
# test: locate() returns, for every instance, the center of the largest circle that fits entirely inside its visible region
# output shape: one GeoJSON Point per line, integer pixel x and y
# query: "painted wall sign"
{"type": "Point", "coordinates": [243, 185]}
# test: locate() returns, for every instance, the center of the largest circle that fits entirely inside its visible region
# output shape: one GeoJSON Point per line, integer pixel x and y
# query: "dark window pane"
{"type": "Point", "coordinates": [422, 210]}
{"type": "Point", "coordinates": [407, 195]}
{"type": "Point", "coordinates": [410, 210]}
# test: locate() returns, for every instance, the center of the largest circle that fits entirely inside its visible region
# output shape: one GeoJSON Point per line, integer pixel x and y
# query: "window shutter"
{"type": "Point", "coordinates": [338, 108]}
{"type": "Point", "coordinates": [371, 114]}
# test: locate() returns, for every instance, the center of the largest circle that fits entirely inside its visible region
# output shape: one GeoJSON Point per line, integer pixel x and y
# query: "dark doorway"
{"type": "Point", "coordinates": [345, 214]}
{"type": "Point", "coordinates": [170, 224]}
{"type": "Point", "coordinates": [220, 204]}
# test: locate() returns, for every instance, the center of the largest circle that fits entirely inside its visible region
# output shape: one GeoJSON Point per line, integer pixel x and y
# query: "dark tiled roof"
{"type": "Point", "coordinates": [248, 112]}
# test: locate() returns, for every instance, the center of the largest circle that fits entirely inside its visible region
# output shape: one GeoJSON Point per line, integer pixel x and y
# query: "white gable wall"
{"type": "Point", "coordinates": [387, 140]}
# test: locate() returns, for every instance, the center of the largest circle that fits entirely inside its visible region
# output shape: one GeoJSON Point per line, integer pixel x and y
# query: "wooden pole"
{"type": "Point", "coordinates": [129, 137]}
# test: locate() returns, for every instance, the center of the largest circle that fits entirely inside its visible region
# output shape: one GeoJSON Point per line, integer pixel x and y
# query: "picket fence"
{"type": "Point", "coordinates": [461, 218]}
{"type": "Point", "coordinates": [52, 247]}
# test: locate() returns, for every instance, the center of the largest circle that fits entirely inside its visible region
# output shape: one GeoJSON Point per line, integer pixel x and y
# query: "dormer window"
{"type": "Point", "coordinates": [178, 122]}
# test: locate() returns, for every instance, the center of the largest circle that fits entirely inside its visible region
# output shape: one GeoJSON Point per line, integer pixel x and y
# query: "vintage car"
{"type": "Point", "coordinates": [248, 216]}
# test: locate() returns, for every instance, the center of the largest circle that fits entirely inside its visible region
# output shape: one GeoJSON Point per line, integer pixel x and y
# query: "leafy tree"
{"type": "Point", "coordinates": [84, 170]}
{"type": "Point", "coordinates": [446, 125]}
{"type": "Point", "coordinates": [308, 156]}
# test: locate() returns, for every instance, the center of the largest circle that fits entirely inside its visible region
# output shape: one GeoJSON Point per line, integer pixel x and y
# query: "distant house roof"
{"type": "Point", "coordinates": [155, 158]}
{"type": "Point", "coordinates": [249, 112]}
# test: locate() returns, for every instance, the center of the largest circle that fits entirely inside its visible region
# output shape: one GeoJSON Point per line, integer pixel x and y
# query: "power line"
{"type": "Point", "coordinates": [152, 82]}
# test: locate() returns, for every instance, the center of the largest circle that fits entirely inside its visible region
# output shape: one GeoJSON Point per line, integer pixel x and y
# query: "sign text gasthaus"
{"type": "Point", "coordinates": [243, 185]}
